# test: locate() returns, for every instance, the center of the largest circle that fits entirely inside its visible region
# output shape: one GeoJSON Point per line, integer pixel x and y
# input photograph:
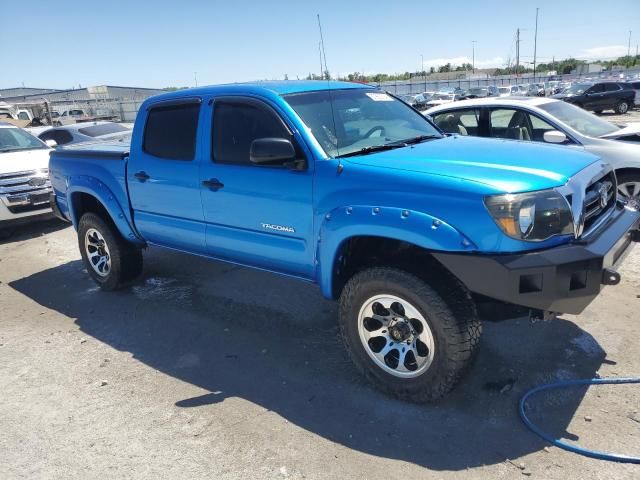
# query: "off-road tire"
{"type": "Point", "coordinates": [126, 259]}
{"type": "Point", "coordinates": [451, 316]}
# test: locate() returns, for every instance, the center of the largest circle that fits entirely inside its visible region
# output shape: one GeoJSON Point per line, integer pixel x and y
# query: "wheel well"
{"type": "Point", "coordinates": [628, 171]}
{"type": "Point", "coordinates": [358, 253]}
{"type": "Point", "coordinates": [84, 203]}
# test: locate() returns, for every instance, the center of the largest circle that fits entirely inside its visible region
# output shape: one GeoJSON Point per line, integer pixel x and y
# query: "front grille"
{"type": "Point", "coordinates": [599, 199]}
{"type": "Point", "coordinates": [24, 190]}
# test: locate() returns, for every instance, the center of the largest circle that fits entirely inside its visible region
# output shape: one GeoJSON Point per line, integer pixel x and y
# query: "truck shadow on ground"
{"type": "Point", "coordinates": [274, 342]}
{"type": "Point", "coordinates": [31, 230]}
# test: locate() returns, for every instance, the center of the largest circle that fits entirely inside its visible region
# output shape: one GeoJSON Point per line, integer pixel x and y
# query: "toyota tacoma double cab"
{"type": "Point", "coordinates": [346, 186]}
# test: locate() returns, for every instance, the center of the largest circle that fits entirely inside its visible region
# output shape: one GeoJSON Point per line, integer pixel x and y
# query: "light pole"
{"type": "Point", "coordinates": [629, 45]}
{"type": "Point", "coordinates": [473, 56]}
{"type": "Point", "coordinates": [535, 45]}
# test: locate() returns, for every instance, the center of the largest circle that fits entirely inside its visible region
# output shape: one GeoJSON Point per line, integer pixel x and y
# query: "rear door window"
{"type": "Point", "coordinates": [611, 87]}
{"type": "Point", "coordinates": [170, 131]}
{"type": "Point", "coordinates": [510, 123]}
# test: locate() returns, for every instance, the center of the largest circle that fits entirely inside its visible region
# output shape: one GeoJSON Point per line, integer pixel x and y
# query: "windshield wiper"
{"type": "Point", "coordinates": [373, 149]}
{"type": "Point", "coordinates": [418, 139]}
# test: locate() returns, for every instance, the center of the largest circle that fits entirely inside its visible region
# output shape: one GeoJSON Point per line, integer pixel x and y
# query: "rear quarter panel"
{"type": "Point", "coordinates": [99, 173]}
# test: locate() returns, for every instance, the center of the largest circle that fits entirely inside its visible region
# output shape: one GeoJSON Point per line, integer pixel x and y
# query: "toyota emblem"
{"type": "Point", "coordinates": [604, 195]}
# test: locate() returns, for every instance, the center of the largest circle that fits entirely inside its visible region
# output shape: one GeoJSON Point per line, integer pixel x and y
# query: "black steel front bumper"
{"type": "Point", "coordinates": [562, 279]}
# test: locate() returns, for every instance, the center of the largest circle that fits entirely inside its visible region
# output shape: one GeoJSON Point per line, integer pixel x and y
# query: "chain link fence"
{"type": "Point", "coordinates": [424, 84]}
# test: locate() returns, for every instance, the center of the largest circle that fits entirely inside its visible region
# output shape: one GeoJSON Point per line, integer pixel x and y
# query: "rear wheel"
{"type": "Point", "coordinates": [622, 107]}
{"type": "Point", "coordinates": [629, 189]}
{"type": "Point", "coordinates": [404, 337]}
{"type": "Point", "coordinates": [110, 260]}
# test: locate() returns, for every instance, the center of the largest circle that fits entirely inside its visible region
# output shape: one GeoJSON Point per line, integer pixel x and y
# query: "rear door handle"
{"type": "Point", "coordinates": [213, 184]}
{"type": "Point", "coordinates": [142, 176]}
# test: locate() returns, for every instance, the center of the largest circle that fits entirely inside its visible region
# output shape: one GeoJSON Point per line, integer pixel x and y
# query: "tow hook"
{"type": "Point", "coordinates": [536, 315]}
{"type": "Point", "coordinates": [610, 277]}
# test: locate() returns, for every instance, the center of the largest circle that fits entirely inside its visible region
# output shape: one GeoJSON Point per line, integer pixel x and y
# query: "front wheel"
{"type": "Point", "coordinates": [404, 337]}
{"type": "Point", "coordinates": [109, 259]}
{"type": "Point", "coordinates": [622, 107]}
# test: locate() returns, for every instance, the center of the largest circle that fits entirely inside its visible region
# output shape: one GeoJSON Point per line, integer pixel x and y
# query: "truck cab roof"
{"type": "Point", "coordinates": [283, 87]}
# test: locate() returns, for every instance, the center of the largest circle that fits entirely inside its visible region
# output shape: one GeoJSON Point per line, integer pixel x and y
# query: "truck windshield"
{"type": "Point", "coordinates": [580, 120]}
{"type": "Point", "coordinates": [12, 139]}
{"type": "Point", "coordinates": [352, 120]}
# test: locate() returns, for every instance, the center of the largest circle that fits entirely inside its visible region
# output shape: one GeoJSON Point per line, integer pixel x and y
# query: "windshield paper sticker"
{"type": "Point", "coordinates": [379, 97]}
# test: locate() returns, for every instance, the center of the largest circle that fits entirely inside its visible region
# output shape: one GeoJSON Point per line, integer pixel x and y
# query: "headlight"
{"type": "Point", "coordinates": [532, 216]}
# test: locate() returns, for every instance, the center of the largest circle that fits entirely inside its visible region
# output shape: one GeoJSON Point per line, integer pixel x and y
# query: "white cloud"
{"type": "Point", "coordinates": [436, 62]}
{"type": "Point", "coordinates": [601, 53]}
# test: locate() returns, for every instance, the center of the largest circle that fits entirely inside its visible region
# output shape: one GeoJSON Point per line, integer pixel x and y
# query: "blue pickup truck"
{"type": "Point", "coordinates": [348, 187]}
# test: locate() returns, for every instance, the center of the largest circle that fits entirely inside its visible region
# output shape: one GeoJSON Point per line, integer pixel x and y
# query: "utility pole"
{"type": "Point", "coordinates": [422, 63]}
{"type": "Point", "coordinates": [629, 45]}
{"type": "Point", "coordinates": [473, 56]}
{"type": "Point", "coordinates": [517, 51]}
{"type": "Point", "coordinates": [535, 45]}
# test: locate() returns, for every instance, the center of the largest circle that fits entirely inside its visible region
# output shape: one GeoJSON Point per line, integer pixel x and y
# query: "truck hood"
{"type": "Point", "coordinates": [11, 162]}
{"type": "Point", "coordinates": [506, 165]}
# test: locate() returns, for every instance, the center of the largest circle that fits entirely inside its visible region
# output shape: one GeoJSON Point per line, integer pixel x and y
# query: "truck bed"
{"type": "Point", "coordinates": [97, 167]}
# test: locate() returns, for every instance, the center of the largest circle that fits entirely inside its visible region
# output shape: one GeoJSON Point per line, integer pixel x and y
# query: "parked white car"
{"type": "Point", "coordinates": [24, 176]}
{"type": "Point", "coordinates": [71, 116]}
{"type": "Point", "coordinates": [508, 91]}
{"type": "Point", "coordinates": [442, 98]}
{"type": "Point", "coordinates": [84, 132]}
{"type": "Point", "coordinates": [541, 119]}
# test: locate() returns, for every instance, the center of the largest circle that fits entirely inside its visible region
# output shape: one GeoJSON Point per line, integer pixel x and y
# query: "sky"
{"type": "Point", "coordinates": [161, 43]}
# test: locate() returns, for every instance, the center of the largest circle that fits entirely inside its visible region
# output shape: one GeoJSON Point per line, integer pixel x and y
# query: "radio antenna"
{"type": "Point", "coordinates": [324, 55]}
{"type": "Point", "coordinates": [326, 73]}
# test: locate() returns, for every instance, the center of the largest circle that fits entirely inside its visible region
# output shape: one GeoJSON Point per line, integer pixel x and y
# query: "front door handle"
{"type": "Point", "coordinates": [213, 184]}
{"type": "Point", "coordinates": [142, 176]}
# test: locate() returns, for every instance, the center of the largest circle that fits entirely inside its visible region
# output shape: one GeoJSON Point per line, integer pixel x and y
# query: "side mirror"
{"type": "Point", "coordinates": [275, 151]}
{"type": "Point", "coordinates": [51, 143]}
{"type": "Point", "coordinates": [554, 136]}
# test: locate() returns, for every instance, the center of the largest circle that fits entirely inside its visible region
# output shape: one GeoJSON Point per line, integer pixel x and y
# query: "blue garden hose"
{"type": "Point", "coordinates": [612, 457]}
